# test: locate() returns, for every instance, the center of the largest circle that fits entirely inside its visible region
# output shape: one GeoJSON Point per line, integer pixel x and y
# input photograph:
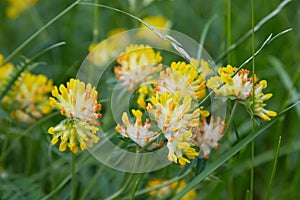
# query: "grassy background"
{"type": "Point", "coordinates": [33, 169]}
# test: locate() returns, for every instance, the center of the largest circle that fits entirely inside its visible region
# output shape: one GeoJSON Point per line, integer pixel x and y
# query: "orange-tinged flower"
{"type": "Point", "coordinates": [77, 100]}
{"type": "Point", "coordinates": [137, 64]}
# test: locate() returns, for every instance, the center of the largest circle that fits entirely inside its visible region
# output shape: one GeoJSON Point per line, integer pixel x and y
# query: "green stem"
{"type": "Point", "coordinates": [96, 23]}
{"type": "Point", "coordinates": [73, 177]}
{"type": "Point", "coordinates": [228, 2]}
{"type": "Point", "coordinates": [92, 183]}
{"type": "Point", "coordinates": [39, 31]}
{"type": "Point", "coordinates": [3, 154]}
{"type": "Point", "coordinates": [136, 185]}
{"type": "Point", "coordinates": [273, 168]}
{"type": "Point", "coordinates": [253, 101]}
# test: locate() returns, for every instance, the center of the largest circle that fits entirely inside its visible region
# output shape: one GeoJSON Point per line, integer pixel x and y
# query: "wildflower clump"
{"type": "Point", "coordinates": [137, 64]}
{"type": "Point", "coordinates": [171, 101]}
{"type": "Point", "coordinates": [237, 85]}
{"type": "Point", "coordinates": [78, 102]}
{"type": "Point", "coordinates": [138, 132]}
{"type": "Point", "coordinates": [168, 191]}
{"type": "Point", "coordinates": [27, 100]}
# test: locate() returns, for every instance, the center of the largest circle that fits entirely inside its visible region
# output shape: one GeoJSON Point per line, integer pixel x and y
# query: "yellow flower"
{"type": "Point", "coordinates": [175, 116]}
{"type": "Point", "coordinates": [77, 100]}
{"type": "Point", "coordinates": [207, 135]}
{"type": "Point", "coordinates": [181, 77]}
{"type": "Point", "coordinates": [138, 132]}
{"type": "Point", "coordinates": [203, 69]}
{"type": "Point", "coordinates": [144, 92]}
{"type": "Point", "coordinates": [170, 190]}
{"type": "Point", "coordinates": [259, 98]}
{"type": "Point", "coordinates": [137, 64]}
{"type": "Point", "coordinates": [157, 21]}
{"type": "Point", "coordinates": [16, 7]}
{"type": "Point", "coordinates": [29, 97]}
{"type": "Point", "coordinates": [6, 71]}
{"type": "Point", "coordinates": [173, 112]}
{"type": "Point", "coordinates": [237, 87]}
{"type": "Point", "coordinates": [72, 131]}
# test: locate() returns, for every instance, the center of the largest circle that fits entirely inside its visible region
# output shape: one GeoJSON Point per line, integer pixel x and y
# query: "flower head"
{"type": "Point", "coordinates": [16, 7]}
{"type": "Point", "coordinates": [175, 116]}
{"type": "Point", "coordinates": [77, 100]}
{"type": "Point", "coordinates": [6, 71]}
{"type": "Point", "coordinates": [137, 64]}
{"type": "Point", "coordinates": [171, 189]}
{"type": "Point", "coordinates": [259, 98]}
{"type": "Point", "coordinates": [138, 132]}
{"type": "Point", "coordinates": [237, 87]}
{"type": "Point", "coordinates": [207, 135]}
{"type": "Point", "coordinates": [30, 94]}
{"type": "Point", "coordinates": [173, 112]}
{"type": "Point", "coordinates": [70, 132]}
{"type": "Point", "coordinates": [181, 77]}
{"type": "Point", "coordinates": [203, 68]}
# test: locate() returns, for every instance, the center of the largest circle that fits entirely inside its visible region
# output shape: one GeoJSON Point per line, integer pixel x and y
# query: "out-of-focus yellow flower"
{"type": "Point", "coordinates": [170, 190]}
{"type": "Point", "coordinates": [6, 71]}
{"type": "Point", "coordinates": [138, 132]}
{"type": "Point", "coordinates": [16, 7]}
{"type": "Point", "coordinates": [115, 31]}
{"type": "Point", "coordinates": [77, 100]}
{"type": "Point", "coordinates": [137, 64]}
{"type": "Point", "coordinates": [144, 92]}
{"type": "Point", "coordinates": [28, 98]}
{"type": "Point", "coordinates": [207, 135]}
{"type": "Point", "coordinates": [181, 77]}
{"type": "Point", "coordinates": [30, 94]}
{"type": "Point", "coordinates": [72, 131]}
{"type": "Point", "coordinates": [158, 22]}
{"type": "Point", "coordinates": [102, 53]}
{"type": "Point", "coordinates": [259, 98]}
{"type": "Point", "coordinates": [203, 68]}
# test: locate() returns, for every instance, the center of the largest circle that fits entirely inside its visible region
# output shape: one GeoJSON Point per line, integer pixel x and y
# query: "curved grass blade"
{"type": "Point", "coordinates": [286, 80]}
{"type": "Point", "coordinates": [177, 46]}
{"type": "Point", "coordinates": [24, 65]}
{"type": "Point", "coordinates": [256, 28]}
{"type": "Point", "coordinates": [229, 154]}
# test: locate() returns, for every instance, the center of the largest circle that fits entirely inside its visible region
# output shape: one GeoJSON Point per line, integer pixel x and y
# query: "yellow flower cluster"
{"type": "Point", "coordinates": [78, 102]}
{"type": "Point", "coordinates": [138, 132]}
{"type": "Point", "coordinates": [16, 7]}
{"type": "Point", "coordinates": [181, 77]}
{"type": "Point", "coordinates": [238, 85]}
{"type": "Point", "coordinates": [171, 100]}
{"type": "Point", "coordinates": [168, 191]}
{"type": "Point", "coordinates": [137, 64]}
{"type": "Point", "coordinates": [28, 98]}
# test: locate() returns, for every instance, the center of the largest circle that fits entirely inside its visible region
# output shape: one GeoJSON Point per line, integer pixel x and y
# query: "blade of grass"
{"type": "Point", "coordinates": [275, 12]}
{"type": "Point", "coordinates": [227, 155]}
{"type": "Point", "coordinates": [24, 66]}
{"type": "Point", "coordinates": [253, 100]}
{"type": "Point", "coordinates": [203, 36]}
{"type": "Point", "coordinates": [287, 82]}
{"type": "Point", "coordinates": [39, 31]}
{"type": "Point", "coordinates": [273, 168]}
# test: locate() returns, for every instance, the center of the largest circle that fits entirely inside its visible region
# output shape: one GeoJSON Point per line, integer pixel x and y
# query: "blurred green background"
{"type": "Point", "coordinates": [279, 63]}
